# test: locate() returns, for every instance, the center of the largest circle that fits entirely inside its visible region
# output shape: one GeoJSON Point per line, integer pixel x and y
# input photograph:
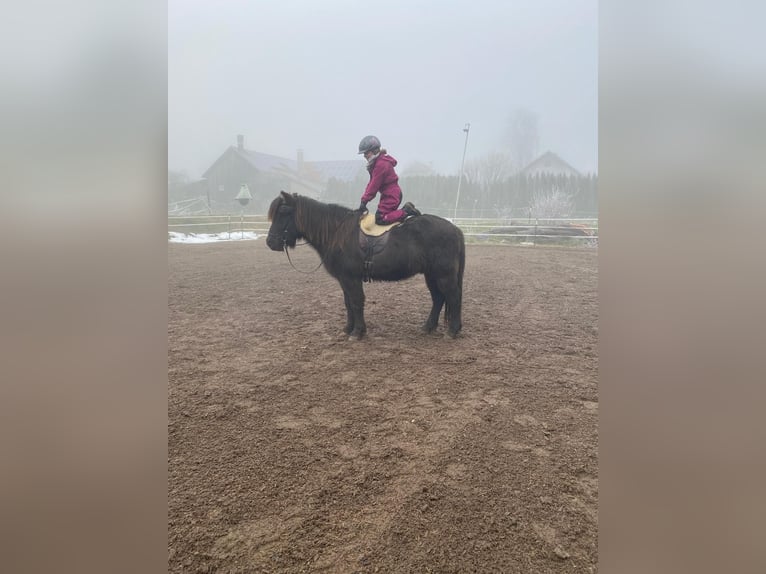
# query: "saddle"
{"type": "Point", "coordinates": [372, 240]}
{"type": "Point", "coordinates": [369, 227]}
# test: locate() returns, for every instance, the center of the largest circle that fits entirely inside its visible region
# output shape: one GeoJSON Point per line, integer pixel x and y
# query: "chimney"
{"type": "Point", "coordinates": [240, 142]}
{"type": "Point", "coordinates": [300, 161]}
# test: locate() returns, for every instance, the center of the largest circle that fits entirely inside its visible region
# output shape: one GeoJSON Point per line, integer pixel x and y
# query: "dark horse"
{"type": "Point", "coordinates": [423, 244]}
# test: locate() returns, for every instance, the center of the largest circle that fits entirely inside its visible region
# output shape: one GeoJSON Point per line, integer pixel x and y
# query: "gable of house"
{"type": "Point", "coordinates": [549, 164]}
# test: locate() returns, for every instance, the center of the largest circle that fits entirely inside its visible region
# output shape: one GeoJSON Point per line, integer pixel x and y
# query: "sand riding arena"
{"type": "Point", "coordinates": [291, 449]}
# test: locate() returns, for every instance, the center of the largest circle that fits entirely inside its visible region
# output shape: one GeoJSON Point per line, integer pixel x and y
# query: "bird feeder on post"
{"type": "Point", "coordinates": [243, 197]}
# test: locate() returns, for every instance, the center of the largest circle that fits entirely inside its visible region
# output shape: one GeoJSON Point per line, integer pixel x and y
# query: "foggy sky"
{"type": "Point", "coordinates": [319, 76]}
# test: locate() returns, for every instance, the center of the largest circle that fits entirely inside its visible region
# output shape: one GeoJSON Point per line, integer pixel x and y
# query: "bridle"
{"type": "Point", "coordinates": [284, 248]}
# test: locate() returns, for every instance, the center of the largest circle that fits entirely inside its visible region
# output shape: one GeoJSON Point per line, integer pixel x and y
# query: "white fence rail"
{"type": "Point", "coordinates": [531, 230]}
{"type": "Point", "coordinates": [219, 224]}
{"type": "Point", "coordinates": [522, 230]}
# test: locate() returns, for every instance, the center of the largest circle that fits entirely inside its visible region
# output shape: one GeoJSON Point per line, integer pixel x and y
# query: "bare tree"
{"type": "Point", "coordinates": [489, 171]}
{"type": "Point", "coordinates": [551, 204]}
{"type": "Point", "coordinates": [177, 179]}
{"type": "Point", "coordinates": [523, 137]}
{"type": "Point", "coordinates": [487, 178]}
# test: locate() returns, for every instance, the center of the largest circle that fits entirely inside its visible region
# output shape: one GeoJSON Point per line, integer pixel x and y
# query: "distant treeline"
{"type": "Point", "coordinates": [517, 195]}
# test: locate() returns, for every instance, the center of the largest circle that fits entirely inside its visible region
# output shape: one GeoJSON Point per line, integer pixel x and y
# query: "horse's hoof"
{"type": "Point", "coordinates": [428, 328]}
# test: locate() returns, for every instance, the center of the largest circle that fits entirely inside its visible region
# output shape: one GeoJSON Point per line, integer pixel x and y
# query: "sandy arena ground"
{"type": "Point", "coordinates": [292, 449]}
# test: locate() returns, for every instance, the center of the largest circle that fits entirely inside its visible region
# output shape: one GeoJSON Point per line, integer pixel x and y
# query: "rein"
{"type": "Point", "coordinates": [294, 267]}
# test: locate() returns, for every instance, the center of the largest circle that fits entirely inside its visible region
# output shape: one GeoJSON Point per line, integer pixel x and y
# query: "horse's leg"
{"type": "Point", "coordinates": [455, 316]}
{"type": "Point", "coordinates": [354, 296]}
{"type": "Point", "coordinates": [453, 294]}
{"type": "Point", "coordinates": [437, 299]}
{"type": "Point", "coordinates": [349, 314]}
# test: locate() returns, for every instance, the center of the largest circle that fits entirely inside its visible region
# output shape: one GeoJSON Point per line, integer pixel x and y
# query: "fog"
{"type": "Point", "coordinates": [318, 76]}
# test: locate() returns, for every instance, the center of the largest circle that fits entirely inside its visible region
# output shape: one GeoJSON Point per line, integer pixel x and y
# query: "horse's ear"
{"type": "Point", "coordinates": [288, 199]}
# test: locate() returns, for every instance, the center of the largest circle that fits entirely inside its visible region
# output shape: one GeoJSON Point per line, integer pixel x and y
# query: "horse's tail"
{"type": "Point", "coordinates": [449, 311]}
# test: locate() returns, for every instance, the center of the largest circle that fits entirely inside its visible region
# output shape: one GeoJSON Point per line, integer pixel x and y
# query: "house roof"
{"type": "Point", "coordinates": [549, 162]}
{"type": "Point", "coordinates": [417, 168]}
{"type": "Point", "coordinates": [344, 170]}
{"type": "Point", "coordinates": [266, 162]}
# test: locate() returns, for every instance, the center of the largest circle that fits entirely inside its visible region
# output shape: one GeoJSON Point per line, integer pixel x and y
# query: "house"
{"type": "Point", "coordinates": [549, 164]}
{"type": "Point", "coordinates": [550, 175]}
{"type": "Point", "coordinates": [418, 169]}
{"type": "Point", "coordinates": [266, 175]}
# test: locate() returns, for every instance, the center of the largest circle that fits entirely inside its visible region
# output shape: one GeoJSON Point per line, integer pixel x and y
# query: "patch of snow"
{"type": "Point", "coordinates": [175, 237]}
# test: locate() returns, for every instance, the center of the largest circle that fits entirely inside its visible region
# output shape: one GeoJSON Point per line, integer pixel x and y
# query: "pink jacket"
{"type": "Point", "coordinates": [383, 179]}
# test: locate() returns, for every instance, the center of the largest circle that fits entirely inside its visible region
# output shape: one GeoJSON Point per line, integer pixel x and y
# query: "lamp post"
{"type": "Point", "coordinates": [462, 164]}
{"type": "Point", "coordinates": [243, 197]}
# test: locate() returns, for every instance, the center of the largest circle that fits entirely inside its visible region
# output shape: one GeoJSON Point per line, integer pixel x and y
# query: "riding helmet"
{"type": "Point", "coordinates": [369, 143]}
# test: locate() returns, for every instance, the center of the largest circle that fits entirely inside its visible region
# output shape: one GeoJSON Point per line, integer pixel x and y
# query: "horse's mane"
{"type": "Point", "coordinates": [274, 206]}
{"type": "Point", "coordinates": [327, 224]}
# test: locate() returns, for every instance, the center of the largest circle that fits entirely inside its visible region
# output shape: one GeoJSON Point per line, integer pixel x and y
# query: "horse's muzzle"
{"type": "Point", "coordinates": [275, 243]}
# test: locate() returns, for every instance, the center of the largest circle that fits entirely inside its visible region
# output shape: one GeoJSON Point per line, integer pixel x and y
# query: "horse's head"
{"type": "Point", "coordinates": [283, 231]}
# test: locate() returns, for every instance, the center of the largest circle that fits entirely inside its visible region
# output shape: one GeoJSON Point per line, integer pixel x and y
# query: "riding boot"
{"type": "Point", "coordinates": [411, 209]}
